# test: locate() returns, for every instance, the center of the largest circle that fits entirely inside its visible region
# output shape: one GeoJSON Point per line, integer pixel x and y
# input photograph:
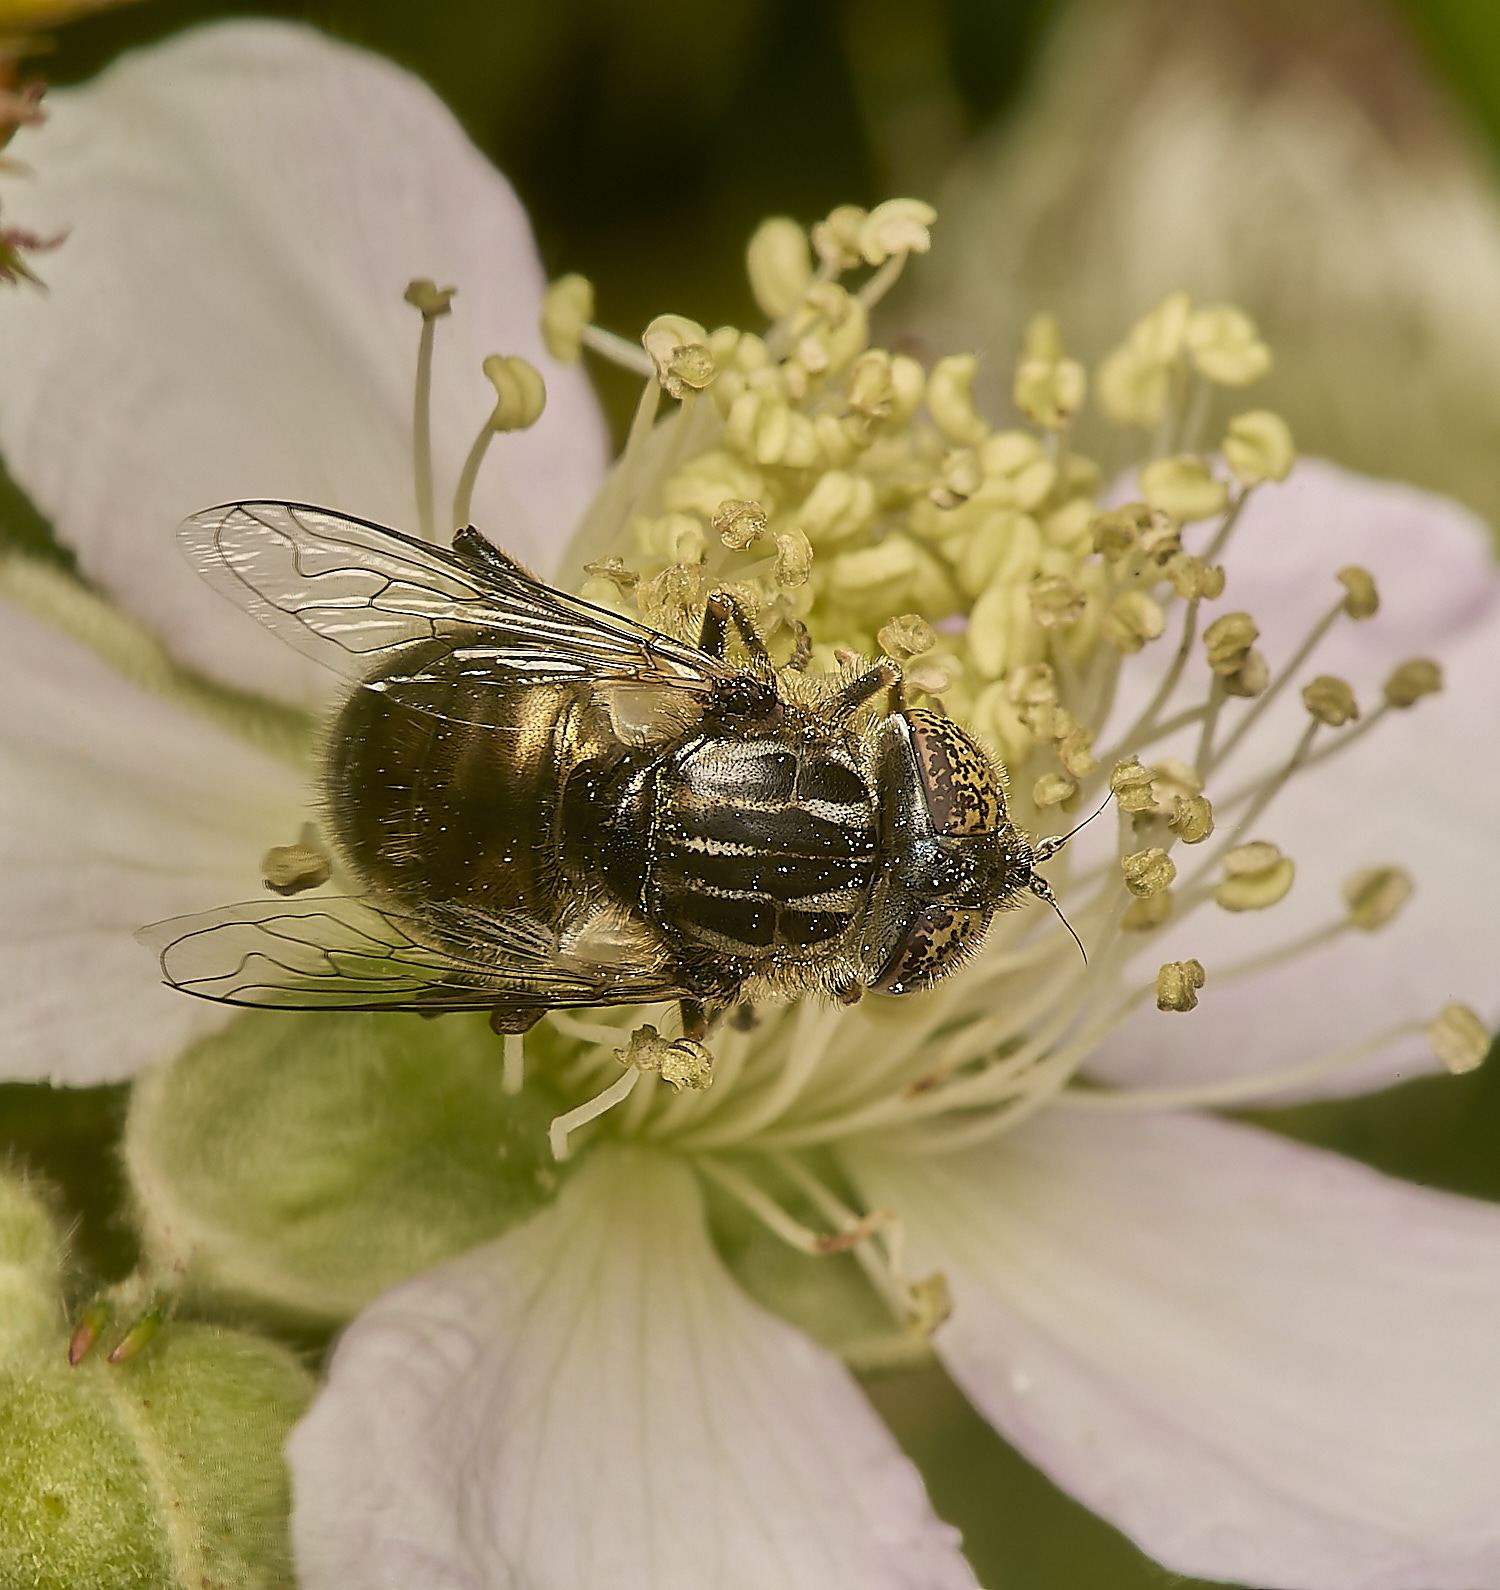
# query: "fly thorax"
{"type": "Point", "coordinates": [761, 846]}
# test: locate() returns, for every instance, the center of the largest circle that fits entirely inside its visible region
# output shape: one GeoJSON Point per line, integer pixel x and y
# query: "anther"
{"type": "Point", "coordinates": [1144, 916]}
{"type": "Point", "coordinates": [680, 352]}
{"type": "Point", "coordinates": [289, 869]}
{"type": "Point", "coordinates": [1375, 894]}
{"type": "Point", "coordinates": [1055, 601]}
{"type": "Point", "coordinates": [738, 521]}
{"type": "Point", "coordinates": [951, 403]}
{"type": "Point", "coordinates": [870, 389]}
{"type": "Point", "coordinates": [1177, 985]}
{"type": "Point", "coordinates": [1224, 346]}
{"type": "Point", "coordinates": [1258, 446]}
{"type": "Point", "coordinates": [1192, 819]}
{"type": "Point", "coordinates": [1116, 533]}
{"type": "Point", "coordinates": [1363, 600]}
{"type": "Point", "coordinates": [520, 392]}
{"type": "Point", "coordinates": [1148, 872]}
{"type": "Point", "coordinates": [778, 264]}
{"type": "Point", "coordinates": [1130, 784]}
{"type": "Point", "coordinates": [1458, 1038]}
{"type": "Point", "coordinates": [1194, 580]}
{"type": "Point", "coordinates": [1049, 392]}
{"type": "Point", "coordinates": [836, 239]}
{"type": "Point", "coordinates": [1133, 619]}
{"type": "Point", "coordinates": [1250, 678]}
{"type": "Point", "coordinates": [897, 226]}
{"type": "Point", "coordinates": [1411, 680]}
{"type": "Point", "coordinates": [567, 309]}
{"type": "Point", "coordinates": [1173, 778]}
{"type": "Point", "coordinates": [1330, 700]}
{"type": "Point", "coordinates": [1052, 789]}
{"type": "Point", "coordinates": [614, 570]}
{"type": "Point", "coordinates": [794, 556]}
{"type": "Point", "coordinates": [1075, 752]}
{"type": "Point", "coordinates": [683, 1062]}
{"type": "Point", "coordinates": [1184, 487]}
{"type": "Point", "coordinates": [907, 636]}
{"type": "Point", "coordinates": [929, 1303]}
{"type": "Point", "coordinates": [1228, 641]}
{"type": "Point", "coordinates": [1160, 538]}
{"type": "Point", "coordinates": [1256, 876]}
{"type": "Point", "coordinates": [431, 300]}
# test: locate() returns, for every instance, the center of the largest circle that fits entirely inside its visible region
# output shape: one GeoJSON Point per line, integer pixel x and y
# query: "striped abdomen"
{"type": "Point", "coordinates": [760, 848]}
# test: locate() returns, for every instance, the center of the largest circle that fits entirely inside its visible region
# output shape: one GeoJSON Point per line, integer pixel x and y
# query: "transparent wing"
{"type": "Point", "coordinates": [352, 595]}
{"type": "Point", "coordinates": [342, 953]}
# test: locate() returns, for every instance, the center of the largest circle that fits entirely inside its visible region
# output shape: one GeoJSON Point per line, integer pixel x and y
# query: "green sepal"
{"type": "Point", "coordinates": [304, 1162]}
{"type": "Point", "coordinates": [30, 1270]}
{"type": "Point", "coordinates": [162, 1473]}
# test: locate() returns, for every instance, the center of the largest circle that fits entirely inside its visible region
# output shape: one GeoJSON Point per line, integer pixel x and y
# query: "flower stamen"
{"type": "Point", "coordinates": [563, 1126]}
{"type": "Point", "coordinates": [1234, 1090]}
{"type": "Point", "coordinates": [434, 302]}
{"type": "Point", "coordinates": [520, 397]}
{"type": "Point", "coordinates": [513, 1075]}
{"type": "Point", "coordinates": [1253, 714]}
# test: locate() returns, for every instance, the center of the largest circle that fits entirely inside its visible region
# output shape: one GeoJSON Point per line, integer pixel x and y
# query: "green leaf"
{"type": "Point", "coordinates": [306, 1161]}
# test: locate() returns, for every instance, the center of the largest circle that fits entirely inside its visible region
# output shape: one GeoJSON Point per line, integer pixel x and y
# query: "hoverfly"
{"type": "Point", "coordinates": [533, 802]}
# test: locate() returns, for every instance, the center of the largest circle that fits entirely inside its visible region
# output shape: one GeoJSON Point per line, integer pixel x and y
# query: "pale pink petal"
{"type": "Point", "coordinates": [245, 205]}
{"type": "Point", "coordinates": [591, 1401]}
{"type": "Point", "coordinates": [1263, 1362]}
{"type": "Point", "coordinates": [116, 809]}
{"type": "Point", "coordinates": [1418, 791]}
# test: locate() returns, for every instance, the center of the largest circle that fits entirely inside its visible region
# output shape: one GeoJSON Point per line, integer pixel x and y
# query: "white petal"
{"type": "Point", "coordinates": [1263, 1362]}
{"type": "Point", "coordinates": [1417, 791]}
{"type": "Point", "coordinates": [245, 205]}
{"type": "Point", "coordinates": [591, 1401]}
{"type": "Point", "coordinates": [116, 809]}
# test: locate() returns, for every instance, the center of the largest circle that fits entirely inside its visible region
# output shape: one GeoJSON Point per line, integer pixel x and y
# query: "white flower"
{"type": "Point", "coordinates": [1261, 1361]}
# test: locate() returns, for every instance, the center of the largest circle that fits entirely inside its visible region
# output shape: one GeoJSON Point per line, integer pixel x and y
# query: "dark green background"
{"type": "Point", "coordinates": [647, 137]}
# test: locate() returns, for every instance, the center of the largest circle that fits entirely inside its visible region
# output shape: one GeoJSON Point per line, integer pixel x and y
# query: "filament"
{"type": "Point", "coordinates": [463, 496]}
{"type": "Point", "coordinates": [1232, 1090]}
{"type": "Point", "coordinates": [619, 351]}
{"type": "Point", "coordinates": [421, 431]}
{"type": "Point", "coordinates": [563, 1126]}
{"type": "Point", "coordinates": [513, 1077]}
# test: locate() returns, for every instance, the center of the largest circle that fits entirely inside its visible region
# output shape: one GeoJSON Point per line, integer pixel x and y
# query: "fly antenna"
{"type": "Point", "coordinates": [1046, 849]}
{"type": "Point", "coordinates": [1043, 891]}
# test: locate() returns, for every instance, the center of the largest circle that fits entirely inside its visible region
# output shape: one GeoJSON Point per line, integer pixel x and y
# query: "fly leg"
{"type": "Point", "coordinates": [515, 1018]}
{"type": "Point", "coordinates": [884, 676]}
{"type": "Point", "coordinates": [694, 1019]}
{"type": "Point", "coordinates": [722, 611]}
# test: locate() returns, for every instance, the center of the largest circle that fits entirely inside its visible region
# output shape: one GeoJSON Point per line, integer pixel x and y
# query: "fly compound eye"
{"type": "Point", "coordinates": [937, 941]}
{"type": "Point", "coordinates": [959, 783]}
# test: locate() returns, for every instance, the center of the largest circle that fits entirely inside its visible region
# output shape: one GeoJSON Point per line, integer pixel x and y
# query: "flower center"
{"type": "Point", "coordinates": [855, 504]}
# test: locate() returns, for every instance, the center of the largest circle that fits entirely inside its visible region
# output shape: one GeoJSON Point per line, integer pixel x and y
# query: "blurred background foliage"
{"type": "Point", "coordinates": [1328, 163]}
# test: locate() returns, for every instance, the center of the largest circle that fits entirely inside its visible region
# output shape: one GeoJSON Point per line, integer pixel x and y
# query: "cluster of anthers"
{"type": "Point", "coordinates": [828, 485]}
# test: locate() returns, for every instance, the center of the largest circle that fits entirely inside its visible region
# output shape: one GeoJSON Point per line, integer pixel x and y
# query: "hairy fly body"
{"type": "Point", "coordinates": [533, 802]}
